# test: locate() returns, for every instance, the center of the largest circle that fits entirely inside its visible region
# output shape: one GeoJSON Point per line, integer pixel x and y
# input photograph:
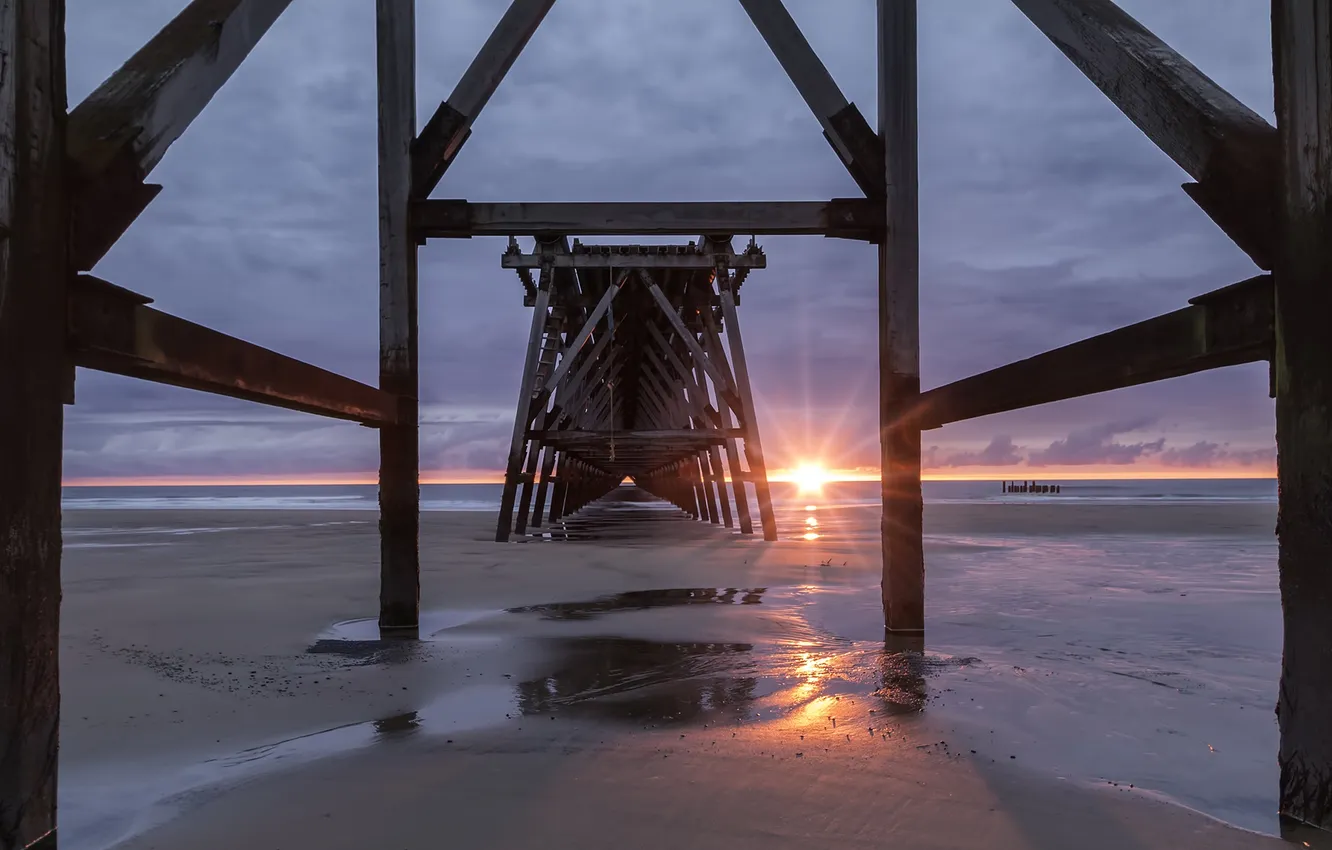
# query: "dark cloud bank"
{"type": "Point", "coordinates": [1046, 217]}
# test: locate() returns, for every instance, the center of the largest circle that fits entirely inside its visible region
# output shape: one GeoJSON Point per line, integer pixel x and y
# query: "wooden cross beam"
{"type": "Point", "coordinates": [714, 372]}
{"type": "Point", "coordinates": [847, 218]}
{"type": "Point", "coordinates": [439, 141]}
{"type": "Point", "coordinates": [1226, 147]}
{"type": "Point", "coordinates": [568, 355]}
{"type": "Point", "coordinates": [679, 261]}
{"type": "Point", "coordinates": [1223, 328]}
{"type": "Point", "coordinates": [119, 133]}
{"type": "Point", "coordinates": [113, 330]}
{"type": "Point", "coordinates": [856, 144]}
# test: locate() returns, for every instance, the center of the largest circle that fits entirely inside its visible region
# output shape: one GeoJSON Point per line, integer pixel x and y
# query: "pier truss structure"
{"type": "Point", "coordinates": [635, 369]}
{"type": "Point", "coordinates": [73, 181]}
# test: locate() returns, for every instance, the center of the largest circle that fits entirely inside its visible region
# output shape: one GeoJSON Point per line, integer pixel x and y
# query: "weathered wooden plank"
{"type": "Point", "coordinates": [850, 218]}
{"type": "Point", "coordinates": [647, 261]}
{"type": "Point", "coordinates": [899, 324]}
{"type": "Point", "coordinates": [737, 475]}
{"type": "Point", "coordinates": [34, 264]}
{"type": "Point", "coordinates": [547, 470]}
{"type": "Point", "coordinates": [1225, 146]}
{"type": "Point", "coordinates": [522, 413]}
{"type": "Point", "coordinates": [1302, 52]}
{"type": "Point", "coordinates": [119, 133]}
{"type": "Point", "coordinates": [444, 134]}
{"type": "Point", "coordinates": [1223, 328]}
{"type": "Point", "coordinates": [859, 148]}
{"type": "Point", "coordinates": [399, 447]}
{"type": "Point", "coordinates": [721, 379]}
{"type": "Point", "coordinates": [758, 473]}
{"type": "Point", "coordinates": [112, 330]}
{"type": "Point", "coordinates": [569, 355]}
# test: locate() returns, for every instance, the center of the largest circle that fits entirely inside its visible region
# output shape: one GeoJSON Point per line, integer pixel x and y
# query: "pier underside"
{"type": "Point", "coordinates": [635, 369]}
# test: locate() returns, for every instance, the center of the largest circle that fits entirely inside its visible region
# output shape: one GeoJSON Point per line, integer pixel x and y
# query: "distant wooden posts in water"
{"type": "Point", "coordinates": [1030, 487]}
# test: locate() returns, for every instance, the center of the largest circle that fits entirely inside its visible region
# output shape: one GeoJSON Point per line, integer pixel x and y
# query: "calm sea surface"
{"type": "Point", "coordinates": [485, 497]}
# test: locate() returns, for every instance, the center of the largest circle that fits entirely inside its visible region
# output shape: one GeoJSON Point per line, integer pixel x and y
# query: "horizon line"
{"type": "Point", "coordinates": [778, 477]}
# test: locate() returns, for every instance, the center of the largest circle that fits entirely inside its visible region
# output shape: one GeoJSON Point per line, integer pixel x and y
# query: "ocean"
{"type": "Point", "coordinates": [485, 497]}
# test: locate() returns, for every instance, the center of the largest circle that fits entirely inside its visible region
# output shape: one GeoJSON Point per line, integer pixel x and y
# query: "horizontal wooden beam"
{"type": "Point", "coordinates": [1222, 328]}
{"type": "Point", "coordinates": [113, 330]}
{"type": "Point", "coordinates": [684, 261]}
{"type": "Point", "coordinates": [850, 218]}
{"type": "Point", "coordinates": [701, 435]}
{"type": "Point", "coordinates": [119, 133]}
{"type": "Point", "coordinates": [1226, 147]}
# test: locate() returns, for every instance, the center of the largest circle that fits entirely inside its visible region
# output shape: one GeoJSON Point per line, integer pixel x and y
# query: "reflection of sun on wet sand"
{"type": "Point", "coordinates": [709, 692]}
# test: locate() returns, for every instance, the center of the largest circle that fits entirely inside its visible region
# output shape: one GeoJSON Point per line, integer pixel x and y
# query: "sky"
{"type": "Point", "coordinates": [1046, 217]}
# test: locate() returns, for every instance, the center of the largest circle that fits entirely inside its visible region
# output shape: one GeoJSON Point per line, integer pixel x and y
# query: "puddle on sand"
{"type": "Point", "coordinates": [668, 656]}
{"type": "Point", "coordinates": [642, 600]}
{"type": "Point", "coordinates": [558, 670]}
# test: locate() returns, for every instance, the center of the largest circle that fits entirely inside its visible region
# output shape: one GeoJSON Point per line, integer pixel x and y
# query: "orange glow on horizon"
{"type": "Point", "coordinates": [461, 476]}
{"type": "Point", "coordinates": [801, 476]}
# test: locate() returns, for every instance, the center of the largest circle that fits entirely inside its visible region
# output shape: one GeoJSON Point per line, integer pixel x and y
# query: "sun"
{"type": "Point", "coordinates": [810, 477]}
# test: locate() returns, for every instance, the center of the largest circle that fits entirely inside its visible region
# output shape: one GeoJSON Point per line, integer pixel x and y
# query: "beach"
{"type": "Point", "coordinates": [1094, 673]}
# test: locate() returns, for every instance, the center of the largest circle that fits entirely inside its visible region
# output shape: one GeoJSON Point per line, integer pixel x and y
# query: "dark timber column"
{"type": "Point", "coordinates": [1302, 49]}
{"type": "Point", "coordinates": [758, 470]}
{"type": "Point", "coordinates": [399, 473]}
{"type": "Point", "coordinates": [34, 263]}
{"type": "Point", "coordinates": [899, 325]}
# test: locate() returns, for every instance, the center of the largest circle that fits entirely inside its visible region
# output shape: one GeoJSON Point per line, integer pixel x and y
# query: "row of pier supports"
{"type": "Point", "coordinates": [635, 368]}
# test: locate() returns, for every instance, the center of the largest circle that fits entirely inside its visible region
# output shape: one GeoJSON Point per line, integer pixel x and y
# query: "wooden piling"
{"type": "Point", "coordinates": [899, 324]}
{"type": "Point", "coordinates": [557, 489]}
{"type": "Point", "coordinates": [718, 476]}
{"type": "Point", "coordinates": [1302, 53]}
{"type": "Point", "coordinates": [547, 470]}
{"type": "Point", "coordinates": [523, 414]}
{"type": "Point", "coordinates": [753, 446]}
{"type": "Point", "coordinates": [399, 461]}
{"type": "Point", "coordinates": [34, 267]}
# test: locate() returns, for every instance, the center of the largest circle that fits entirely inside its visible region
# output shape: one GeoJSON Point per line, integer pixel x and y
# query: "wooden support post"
{"type": "Point", "coordinates": [719, 476]}
{"type": "Point", "coordinates": [712, 344]}
{"type": "Point", "coordinates": [522, 416]}
{"type": "Point", "coordinates": [899, 325]}
{"type": "Point", "coordinates": [709, 493]}
{"type": "Point", "coordinates": [399, 450]}
{"type": "Point", "coordinates": [34, 267]}
{"type": "Point", "coordinates": [753, 446]}
{"type": "Point", "coordinates": [737, 475]}
{"type": "Point", "coordinates": [529, 479]}
{"type": "Point", "coordinates": [547, 469]}
{"type": "Point", "coordinates": [1302, 51]}
{"type": "Point", "coordinates": [558, 488]}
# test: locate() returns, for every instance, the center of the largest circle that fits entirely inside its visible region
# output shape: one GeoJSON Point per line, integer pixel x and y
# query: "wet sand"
{"type": "Point", "coordinates": [222, 688]}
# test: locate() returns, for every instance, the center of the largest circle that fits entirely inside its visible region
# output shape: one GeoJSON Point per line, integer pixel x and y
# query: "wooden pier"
{"type": "Point", "coordinates": [73, 181]}
{"type": "Point", "coordinates": [627, 376]}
